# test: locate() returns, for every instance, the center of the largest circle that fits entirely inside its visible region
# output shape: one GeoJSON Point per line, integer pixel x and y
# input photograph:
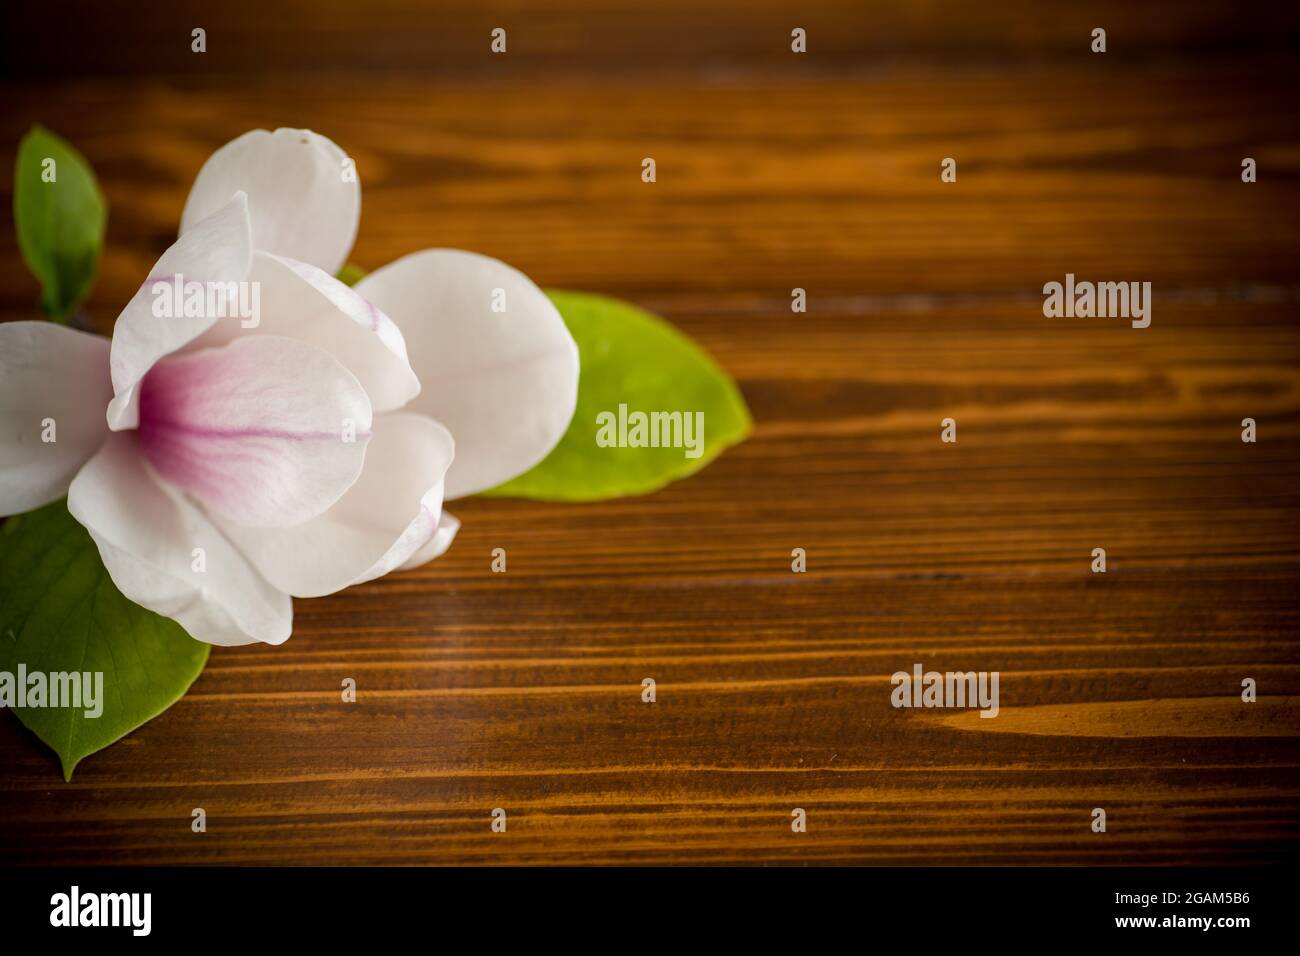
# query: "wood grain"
{"type": "Point", "coordinates": [522, 690]}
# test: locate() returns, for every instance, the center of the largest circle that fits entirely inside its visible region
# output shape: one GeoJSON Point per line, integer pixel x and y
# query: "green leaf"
{"type": "Point", "coordinates": [60, 612]}
{"type": "Point", "coordinates": [60, 222]}
{"type": "Point", "coordinates": [630, 357]}
{"type": "Point", "coordinates": [351, 274]}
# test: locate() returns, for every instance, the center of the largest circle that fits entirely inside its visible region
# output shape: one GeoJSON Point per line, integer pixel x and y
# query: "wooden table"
{"type": "Point", "coordinates": [523, 691]}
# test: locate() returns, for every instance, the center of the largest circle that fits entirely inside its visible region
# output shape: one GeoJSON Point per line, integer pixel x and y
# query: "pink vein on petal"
{"type": "Point", "coordinates": [240, 428]}
{"type": "Point", "coordinates": [200, 431]}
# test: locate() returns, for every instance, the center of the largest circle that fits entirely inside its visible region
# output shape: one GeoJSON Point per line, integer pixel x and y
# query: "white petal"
{"type": "Point", "coordinates": [218, 249]}
{"type": "Point", "coordinates": [378, 525]}
{"type": "Point", "coordinates": [301, 302]}
{"type": "Point", "coordinates": [266, 431]}
{"type": "Point", "coordinates": [153, 542]}
{"type": "Point", "coordinates": [437, 544]}
{"type": "Point", "coordinates": [505, 383]}
{"type": "Point", "coordinates": [303, 193]}
{"type": "Point", "coordinates": [53, 384]}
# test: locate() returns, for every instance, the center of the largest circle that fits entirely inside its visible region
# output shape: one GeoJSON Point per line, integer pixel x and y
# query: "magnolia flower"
{"type": "Point", "coordinates": [222, 465]}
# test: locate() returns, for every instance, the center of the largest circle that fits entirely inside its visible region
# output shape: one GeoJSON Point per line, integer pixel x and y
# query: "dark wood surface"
{"type": "Point", "coordinates": [523, 690]}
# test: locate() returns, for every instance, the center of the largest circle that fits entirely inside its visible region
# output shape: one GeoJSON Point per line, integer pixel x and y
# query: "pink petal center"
{"type": "Point", "coordinates": [263, 443]}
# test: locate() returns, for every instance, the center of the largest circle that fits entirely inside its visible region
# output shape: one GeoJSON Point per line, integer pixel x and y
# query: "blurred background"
{"type": "Point", "coordinates": [778, 169]}
{"type": "Point", "coordinates": [775, 170]}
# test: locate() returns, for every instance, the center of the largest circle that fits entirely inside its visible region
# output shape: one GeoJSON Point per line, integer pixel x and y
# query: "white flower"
{"type": "Point", "coordinates": [222, 479]}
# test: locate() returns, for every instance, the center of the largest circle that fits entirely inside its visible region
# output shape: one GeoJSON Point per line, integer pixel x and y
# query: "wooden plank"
{"type": "Point", "coordinates": [451, 38]}
{"type": "Point", "coordinates": [523, 690]}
